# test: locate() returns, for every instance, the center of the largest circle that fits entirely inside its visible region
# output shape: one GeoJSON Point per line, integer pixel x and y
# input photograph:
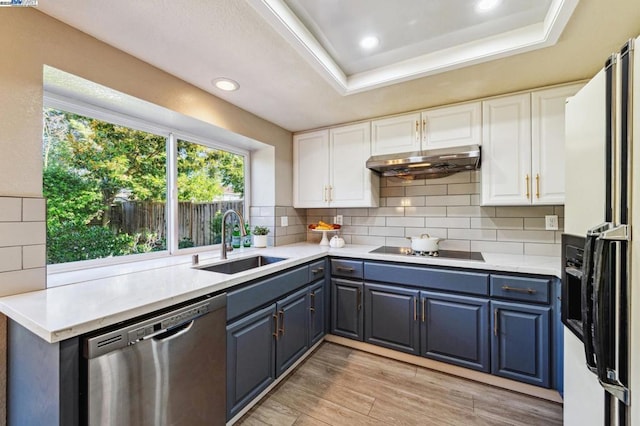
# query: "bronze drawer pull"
{"type": "Point", "coordinates": [424, 308]}
{"type": "Point", "coordinates": [313, 302]}
{"type": "Point", "coordinates": [345, 268]}
{"type": "Point", "coordinates": [415, 309]}
{"type": "Point", "coordinates": [275, 326]}
{"type": "Point", "coordinates": [317, 270]}
{"type": "Point", "coordinates": [281, 314]}
{"type": "Point", "coordinates": [519, 290]}
{"type": "Point", "coordinates": [359, 300]}
{"type": "Point", "coordinates": [495, 322]}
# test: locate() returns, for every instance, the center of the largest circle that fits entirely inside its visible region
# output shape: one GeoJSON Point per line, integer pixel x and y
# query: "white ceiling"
{"type": "Point", "coordinates": [283, 80]}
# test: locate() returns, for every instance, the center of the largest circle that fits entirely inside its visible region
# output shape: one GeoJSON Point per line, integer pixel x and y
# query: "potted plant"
{"type": "Point", "coordinates": [260, 236]}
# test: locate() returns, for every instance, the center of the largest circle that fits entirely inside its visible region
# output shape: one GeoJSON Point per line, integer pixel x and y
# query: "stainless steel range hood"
{"type": "Point", "coordinates": [427, 164]}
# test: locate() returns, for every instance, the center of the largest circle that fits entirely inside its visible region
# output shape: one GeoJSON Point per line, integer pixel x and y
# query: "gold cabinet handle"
{"type": "Point", "coordinates": [495, 322]}
{"type": "Point", "coordinates": [519, 290]}
{"type": "Point", "coordinates": [359, 300]}
{"type": "Point", "coordinates": [526, 178]}
{"type": "Point", "coordinates": [313, 302]}
{"type": "Point", "coordinates": [330, 193]}
{"type": "Point", "coordinates": [325, 194]}
{"type": "Point", "coordinates": [415, 309]}
{"type": "Point", "coordinates": [281, 314]}
{"type": "Point", "coordinates": [417, 130]}
{"type": "Point", "coordinates": [424, 308]}
{"type": "Point", "coordinates": [275, 326]}
{"type": "Point", "coordinates": [537, 185]}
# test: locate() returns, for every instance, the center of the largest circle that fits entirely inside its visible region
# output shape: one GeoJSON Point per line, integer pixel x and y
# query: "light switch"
{"type": "Point", "coordinates": [284, 221]}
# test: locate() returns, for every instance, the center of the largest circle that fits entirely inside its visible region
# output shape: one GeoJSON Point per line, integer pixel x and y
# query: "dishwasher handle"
{"type": "Point", "coordinates": [172, 333]}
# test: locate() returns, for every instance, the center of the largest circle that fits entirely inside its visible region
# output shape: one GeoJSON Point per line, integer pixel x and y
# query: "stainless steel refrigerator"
{"type": "Point", "coordinates": [602, 339]}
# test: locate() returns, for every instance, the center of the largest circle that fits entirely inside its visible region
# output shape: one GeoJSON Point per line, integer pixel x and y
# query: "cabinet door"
{"type": "Point", "coordinates": [455, 329]}
{"type": "Point", "coordinates": [317, 311]}
{"type": "Point", "coordinates": [392, 317]}
{"type": "Point", "coordinates": [250, 358]}
{"type": "Point", "coordinates": [452, 126]}
{"type": "Point", "coordinates": [547, 143]}
{"type": "Point", "coordinates": [506, 151]}
{"type": "Point", "coordinates": [395, 134]}
{"type": "Point", "coordinates": [311, 169]}
{"type": "Point", "coordinates": [346, 309]}
{"type": "Point", "coordinates": [293, 329]}
{"type": "Point", "coordinates": [351, 183]}
{"type": "Point", "coordinates": [520, 342]}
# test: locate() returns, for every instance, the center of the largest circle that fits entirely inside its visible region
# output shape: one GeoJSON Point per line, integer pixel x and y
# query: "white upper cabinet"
{"type": "Point", "coordinates": [523, 148]}
{"type": "Point", "coordinates": [329, 168]}
{"type": "Point", "coordinates": [547, 143]}
{"type": "Point", "coordinates": [457, 125]}
{"type": "Point", "coordinates": [310, 169]}
{"type": "Point", "coordinates": [506, 151]}
{"type": "Point", "coordinates": [396, 134]}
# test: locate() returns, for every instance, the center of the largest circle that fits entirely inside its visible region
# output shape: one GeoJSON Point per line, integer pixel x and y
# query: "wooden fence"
{"type": "Point", "coordinates": [194, 219]}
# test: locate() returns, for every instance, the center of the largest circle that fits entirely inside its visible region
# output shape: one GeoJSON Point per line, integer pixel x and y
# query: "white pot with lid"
{"type": "Point", "coordinates": [425, 243]}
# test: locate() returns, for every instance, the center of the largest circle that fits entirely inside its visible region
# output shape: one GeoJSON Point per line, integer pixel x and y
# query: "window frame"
{"type": "Point", "coordinates": [171, 135]}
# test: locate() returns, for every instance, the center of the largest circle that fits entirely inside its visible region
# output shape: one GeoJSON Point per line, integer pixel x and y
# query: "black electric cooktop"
{"type": "Point", "coordinates": [444, 254]}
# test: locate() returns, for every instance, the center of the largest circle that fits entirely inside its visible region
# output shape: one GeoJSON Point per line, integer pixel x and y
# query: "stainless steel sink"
{"type": "Point", "coordinates": [244, 264]}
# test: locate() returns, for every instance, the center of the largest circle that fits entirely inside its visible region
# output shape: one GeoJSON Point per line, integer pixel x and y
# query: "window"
{"type": "Point", "coordinates": [106, 187]}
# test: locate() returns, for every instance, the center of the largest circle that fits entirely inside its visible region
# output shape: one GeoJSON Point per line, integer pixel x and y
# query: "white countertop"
{"type": "Point", "coordinates": [100, 297]}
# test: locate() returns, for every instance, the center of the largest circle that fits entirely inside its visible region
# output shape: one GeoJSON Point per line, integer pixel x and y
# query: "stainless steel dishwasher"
{"type": "Point", "coordinates": [166, 370]}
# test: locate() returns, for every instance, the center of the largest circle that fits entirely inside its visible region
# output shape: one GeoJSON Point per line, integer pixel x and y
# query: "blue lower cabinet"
{"type": "Point", "coordinates": [346, 308]}
{"type": "Point", "coordinates": [293, 329]}
{"type": "Point", "coordinates": [455, 329]}
{"type": "Point", "coordinates": [521, 342]}
{"type": "Point", "coordinates": [317, 311]}
{"type": "Point", "coordinates": [391, 317]}
{"type": "Point", "coordinates": [251, 353]}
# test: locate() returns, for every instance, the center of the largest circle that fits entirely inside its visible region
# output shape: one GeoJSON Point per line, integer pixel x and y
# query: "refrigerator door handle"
{"type": "Point", "coordinates": [602, 312]}
{"type": "Point", "coordinates": [587, 301]}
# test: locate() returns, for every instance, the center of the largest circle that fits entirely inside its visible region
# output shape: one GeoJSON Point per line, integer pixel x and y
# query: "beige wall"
{"type": "Point", "coordinates": [31, 39]}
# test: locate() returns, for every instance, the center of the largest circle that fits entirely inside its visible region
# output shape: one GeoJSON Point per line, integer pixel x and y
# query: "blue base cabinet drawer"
{"type": "Point", "coordinates": [525, 289]}
{"type": "Point", "coordinates": [346, 268]}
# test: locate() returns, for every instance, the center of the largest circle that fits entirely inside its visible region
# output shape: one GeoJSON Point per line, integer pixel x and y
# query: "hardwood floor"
{"type": "Point", "coordinates": [337, 385]}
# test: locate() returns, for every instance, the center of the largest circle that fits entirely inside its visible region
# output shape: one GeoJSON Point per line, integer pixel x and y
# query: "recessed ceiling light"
{"type": "Point", "coordinates": [226, 84]}
{"type": "Point", "coordinates": [486, 5]}
{"type": "Point", "coordinates": [369, 42]}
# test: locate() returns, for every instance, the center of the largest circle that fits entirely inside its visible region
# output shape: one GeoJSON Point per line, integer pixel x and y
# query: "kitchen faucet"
{"type": "Point", "coordinates": [243, 232]}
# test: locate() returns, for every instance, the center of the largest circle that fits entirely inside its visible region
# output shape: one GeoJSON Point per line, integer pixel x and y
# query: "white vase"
{"type": "Point", "coordinates": [259, 240]}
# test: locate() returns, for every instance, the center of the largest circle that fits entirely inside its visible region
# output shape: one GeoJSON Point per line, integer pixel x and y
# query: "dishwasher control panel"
{"type": "Point", "coordinates": [130, 335]}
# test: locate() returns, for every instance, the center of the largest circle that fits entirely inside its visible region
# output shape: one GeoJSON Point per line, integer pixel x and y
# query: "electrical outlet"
{"type": "Point", "coordinates": [284, 221]}
{"type": "Point", "coordinates": [338, 220]}
{"type": "Point", "coordinates": [551, 222]}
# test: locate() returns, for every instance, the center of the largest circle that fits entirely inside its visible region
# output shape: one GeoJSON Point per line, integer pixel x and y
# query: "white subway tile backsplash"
{"type": "Point", "coordinates": [15, 282]}
{"type": "Point", "coordinates": [426, 190]}
{"type": "Point", "coordinates": [559, 210]}
{"type": "Point", "coordinates": [368, 220]}
{"type": "Point", "coordinates": [415, 222]}
{"type": "Point", "coordinates": [405, 201]}
{"type": "Point", "coordinates": [497, 222]}
{"type": "Point", "coordinates": [475, 199]}
{"type": "Point", "coordinates": [432, 232]}
{"type": "Point", "coordinates": [10, 209]}
{"type": "Point", "coordinates": [10, 259]}
{"type": "Point", "coordinates": [353, 212]}
{"type": "Point", "coordinates": [459, 245]}
{"type": "Point", "coordinates": [34, 256]}
{"type": "Point", "coordinates": [463, 188]}
{"type": "Point", "coordinates": [498, 247]}
{"type": "Point", "coordinates": [355, 230]}
{"type": "Point", "coordinates": [267, 211]}
{"type": "Point", "coordinates": [533, 211]}
{"type": "Point", "coordinates": [394, 181]}
{"type": "Point", "coordinates": [534, 223]}
{"type": "Point", "coordinates": [462, 177]}
{"type": "Point", "coordinates": [368, 240]}
{"type": "Point", "coordinates": [448, 200]}
{"type": "Point", "coordinates": [387, 211]}
{"type": "Point", "coordinates": [425, 211]}
{"type": "Point", "coordinates": [471, 211]}
{"type": "Point", "coordinates": [392, 191]}
{"type": "Point", "coordinates": [448, 222]}
{"type": "Point", "coordinates": [527, 236]}
{"type": "Point", "coordinates": [22, 233]}
{"type": "Point", "coordinates": [475, 176]}
{"type": "Point", "coordinates": [472, 234]}
{"type": "Point", "coordinates": [397, 242]}
{"type": "Point", "coordinates": [385, 231]}
{"type": "Point", "coordinates": [34, 210]}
